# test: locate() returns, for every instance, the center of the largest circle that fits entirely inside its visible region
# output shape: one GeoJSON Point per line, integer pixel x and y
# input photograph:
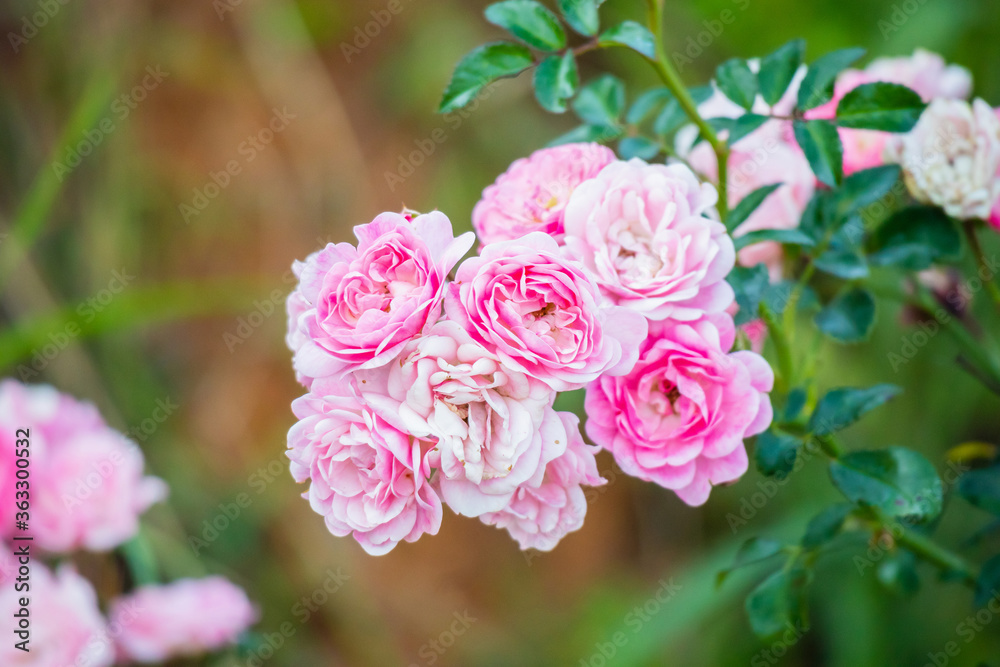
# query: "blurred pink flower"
{"type": "Point", "coordinates": [680, 417]}
{"type": "Point", "coordinates": [542, 314]}
{"type": "Point", "coordinates": [367, 479]}
{"type": "Point", "coordinates": [87, 483]}
{"type": "Point", "coordinates": [355, 307]}
{"type": "Point", "coordinates": [532, 194]}
{"type": "Point", "coordinates": [539, 515]}
{"type": "Point", "coordinates": [66, 625]}
{"type": "Point", "coordinates": [187, 617]}
{"type": "Point", "coordinates": [643, 231]}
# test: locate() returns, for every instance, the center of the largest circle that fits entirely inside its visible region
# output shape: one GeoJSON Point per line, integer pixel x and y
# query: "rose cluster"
{"type": "Point", "coordinates": [431, 380]}
{"type": "Point", "coordinates": [85, 490]}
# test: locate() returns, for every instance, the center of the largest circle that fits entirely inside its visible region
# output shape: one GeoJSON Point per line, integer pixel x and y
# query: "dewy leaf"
{"type": "Point", "coordinates": [817, 86]}
{"type": "Point", "coordinates": [897, 480]}
{"type": "Point", "coordinates": [849, 317]}
{"type": "Point", "coordinates": [632, 35]}
{"type": "Point", "coordinates": [779, 602]}
{"type": "Point", "coordinates": [737, 82]}
{"type": "Point", "coordinates": [982, 488]}
{"type": "Point", "coordinates": [786, 236]}
{"type": "Point", "coordinates": [775, 453]}
{"type": "Point", "coordinates": [754, 550]}
{"type": "Point", "coordinates": [889, 107]}
{"type": "Point", "coordinates": [749, 284]}
{"type": "Point", "coordinates": [641, 147]}
{"type": "Point", "coordinates": [555, 81]}
{"type": "Point", "coordinates": [748, 205]}
{"type": "Point", "coordinates": [529, 21]}
{"type": "Point", "coordinates": [821, 144]}
{"type": "Point", "coordinates": [840, 408]}
{"type": "Point", "coordinates": [581, 15]}
{"type": "Point", "coordinates": [915, 238]}
{"type": "Point", "coordinates": [480, 67]}
{"type": "Point", "coordinates": [601, 101]}
{"type": "Point", "coordinates": [778, 69]}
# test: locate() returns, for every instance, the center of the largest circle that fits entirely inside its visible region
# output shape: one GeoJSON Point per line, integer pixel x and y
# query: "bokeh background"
{"type": "Point", "coordinates": [176, 273]}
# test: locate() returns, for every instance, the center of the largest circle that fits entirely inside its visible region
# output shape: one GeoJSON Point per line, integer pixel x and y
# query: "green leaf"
{"type": "Point", "coordinates": [556, 80]}
{"type": "Point", "coordinates": [748, 205]}
{"type": "Point", "coordinates": [754, 550]}
{"type": "Point", "coordinates": [737, 127]}
{"type": "Point", "coordinates": [632, 35]}
{"type": "Point", "coordinates": [778, 69]}
{"type": "Point", "coordinates": [863, 188]}
{"type": "Point", "coordinates": [817, 86]}
{"type": "Point", "coordinates": [737, 82]}
{"type": "Point", "coordinates": [897, 480]}
{"type": "Point", "coordinates": [775, 453]}
{"type": "Point", "coordinates": [982, 488]}
{"type": "Point", "coordinates": [915, 238]}
{"type": "Point", "coordinates": [640, 147]}
{"type": "Point", "coordinates": [749, 284]}
{"type": "Point", "coordinates": [671, 118]}
{"type": "Point", "coordinates": [848, 318]}
{"type": "Point", "coordinates": [779, 602]}
{"type": "Point", "coordinates": [843, 263]}
{"type": "Point", "coordinates": [821, 144]}
{"type": "Point", "coordinates": [794, 404]}
{"type": "Point", "coordinates": [785, 236]}
{"type": "Point", "coordinates": [529, 21]}
{"type": "Point", "coordinates": [826, 525]}
{"type": "Point", "coordinates": [778, 295]}
{"type": "Point", "coordinates": [898, 572]}
{"type": "Point", "coordinates": [988, 583]}
{"type": "Point", "coordinates": [840, 408]}
{"type": "Point", "coordinates": [601, 101]}
{"type": "Point", "coordinates": [889, 107]}
{"type": "Point", "coordinates": [581, 15]}
{"type": "Point", "coordinates": [647, 103]}
{"type": "Point", "coordinates": [587, 134]}
{"type": "Point", "coordinates": [480, 67]}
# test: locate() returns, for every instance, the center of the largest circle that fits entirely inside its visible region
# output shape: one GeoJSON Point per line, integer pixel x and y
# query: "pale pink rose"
{"type": "Point", "coordinates": [680, 417]}
{"type": "Point", "coordinates": [488, 421]}
{"type": "Point", "coordinates": [539, 515]}
{"type": "Point", "coordinates": [924, 72]}
{"type": "Point", "coordinates": [66, 626]}
{"type": "Point", "coordinates": [952, 156]}
{"type": "Point", "coordinates": [643, 232]}
{"type": "Point", "coordinates": [184, 618]}
{"type": "Point", "coordinates": [87, 482]}
{"type": "Point", "coordinates": [365, 302]}
{"type": "Point", "coordinates": [543, 314]}
{"type": "Point", "coordinates": [366, 478]}
{"type": "Point", "coordinates": [532, 194]}
{"type": "Point", "coordinates": [994, 218]}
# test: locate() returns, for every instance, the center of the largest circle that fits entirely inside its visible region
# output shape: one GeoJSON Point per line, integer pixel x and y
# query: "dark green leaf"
{"type": "Point", "coordinates": [587, 134]}
{"type": "Point", "coordinates": [480, 67]}
{"type": "Point", "coordinates": [632, 35]}
{"type": "Point", "coordinates": [779, 294]}
{"type": "Point", "coordinates": [754, 550]}
{"type": "Point", "coordinates": [581, 15]}
{"type": "Point", "coordinates": [737, 82]}
{"type": "Point", "coordinates": [647, 103]}
{"type": "Point", "coordinates": [849, 317]}
{"type": "Point", "coordinates": [779, 602]}
{"type": "Point", "coordinates": [775, 452]}
{"type": "Point", "coordinates": [915, 238]}
{"type": "Point", "coordinates": [601, 101]}
{"type": "Point", "coordinates": [863, 188]}
{"type": "Point", "coordinates": [840, 408]}
{"type": "Point", "coordinates": [671, 118]}
{"type": "Point", "coordinates": [843, 263]}
{"type": "Point", "coordinates": [982, 488]}
{"type": "Point", "coordinates": [898, 573]}
{"type": "Point", "coordinates": [748, 205]}
{"type": "Point", "coordinates": [880, 106]}
{"type": "Point", "coordinates": [821, 144]}
{"type": "Point", "coordinates": [988, 584]}
{"type": "Point", "coordinates": [529, 21]}
{"type": "Point", "coordinates": [749, 284]}
{"type": "Point", "coordinates": [555, 81]}
{"type": "Point", "coordinates": [778, 69]}
{"type": "Point", "coordinates": [640, 147]}
{"type": "Point", "coordinates": [817, 86]}
{"type": "Point", "coordinates": [737, 128]}
{"type": "Point", "coordinates": [897, 480]}
{"type": "Point", "coordinates": [786, 236]}
{"type": "Point", "coordinates": [826, 525]}
{"type": "Point", "coordinates": [793, 405]}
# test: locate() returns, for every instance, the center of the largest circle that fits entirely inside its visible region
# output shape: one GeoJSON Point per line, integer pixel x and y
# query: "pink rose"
{"type": "Point", "coordinates": [542, 314]}
{"type": "Point", "coordinates": [532, 194]}
{"type": "Point", "coordinates": [364, 303]}
{"type": "Point", "coordinates": [643, 232]}
{"type": "Point", "coordinates": [66, 625]}
{"type": "Point", "coordinates": [87, 482]}
{"type": "Point", "coordinates": [538, 516]}
{"type": "Point", "coordinates": [680, 417]}
{"type": "Point", "coordinates": [367, 478]}
{"type": "Point", "coordinates": [185, 618]}
{"type": "Point", "coordinates": [488, 422]}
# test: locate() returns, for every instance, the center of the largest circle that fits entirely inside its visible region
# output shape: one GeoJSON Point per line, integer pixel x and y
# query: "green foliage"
{"type": "Point", "coordinates": [632, 35]}
{"type": "Point", "coordinates": [601, 102]}
{"type": "Point", "coordinates": [898, 481]}
{"type": "Point", "coordinates": [817, 86]}
{"type": "Point", "coordinates": [748, 205]}
{"type": "Point", "coordinates": [849, 318]}
{"type": "Point", "coordinates": [775, 453]}
{"type": "Point", "coordinates": [754, 550]}
{"type": "Point", "coordinates": [982, 488]}
{"type": "Point", "coordinates": [556, 80]}
{"type": "Point", "coordinates": [481, 67]}
{"type": "Point", "coordinates": [737, 82]}
{"type": "Point", "coordinates": [840, 408]}
{"type": "Point", "coordinates": [777, 70]}
{"type": "Point", "coordinates": [530, 22]}
{"type": "Point", "coordinates": [888, 107]}
{"type": "Point", "coordinates": [779, 602]}
{"type": "Point", "coordinates": [821, 144]}
{"type": "Point", "coordinates": [581, 15]}
{"type": "Point", "coordinates": [915, 238]}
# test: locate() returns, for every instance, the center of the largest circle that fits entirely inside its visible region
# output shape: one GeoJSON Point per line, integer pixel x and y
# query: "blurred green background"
{"type": "Point", "coordinates": [195, 318]}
